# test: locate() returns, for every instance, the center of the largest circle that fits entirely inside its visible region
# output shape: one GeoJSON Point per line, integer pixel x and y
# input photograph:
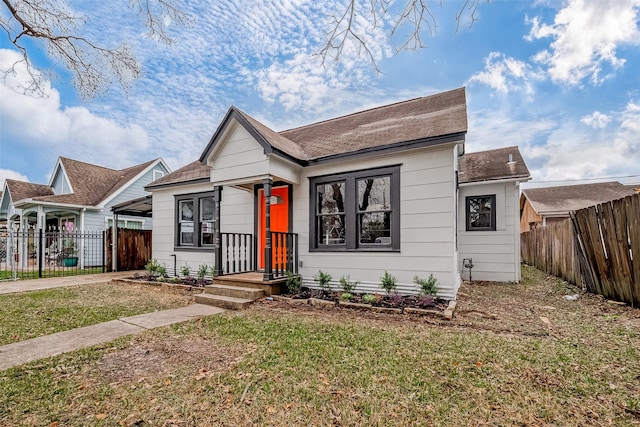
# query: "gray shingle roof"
{"type": "Point", "coordinates": [416, 120]}
{"type": "Point", "coordinates": [91, 184]}
{"type": "Point", "coordinates": [193, 172]}
{"type": "Point", "coordinates": [573, 197]}
{"type": "Point", "coordinates": [492, 165]}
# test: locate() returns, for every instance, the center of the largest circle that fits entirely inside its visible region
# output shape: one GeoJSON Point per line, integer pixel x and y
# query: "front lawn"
{"type": "Point", "coordinates": [513, 355]}
{"type": "Point", "coordinates": [33, 314]}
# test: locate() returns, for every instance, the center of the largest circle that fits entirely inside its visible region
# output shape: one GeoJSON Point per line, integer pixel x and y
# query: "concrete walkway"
{"type": "Point", "coordinates": [59, 282]}
{"type": "Point", "coordinates": [62, 342]}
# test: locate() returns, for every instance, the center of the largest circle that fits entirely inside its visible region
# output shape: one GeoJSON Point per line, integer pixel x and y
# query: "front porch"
{"type": "Point", "coordinates": [266, 256]}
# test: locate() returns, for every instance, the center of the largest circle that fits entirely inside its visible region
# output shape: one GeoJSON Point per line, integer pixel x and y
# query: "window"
{"type": "Point", "coordinates": [157, 174]}
{"type": "Point", "coordinates": [356, 211]}
{"type": "Point", "coordinates": [481, 213]}
{"type": "Point", "coordinates": [195, 219]}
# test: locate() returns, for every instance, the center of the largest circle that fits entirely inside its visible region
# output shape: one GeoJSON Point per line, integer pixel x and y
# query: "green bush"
{"type": "Point", "coordinates": [185, 270]}
{"type": "Point", "coordinates": [388, 282]}
{"type": "Point", "coordinates": [427, 286]}
{"type": "Point", "coordinates": [293, 283]}
{"type": "Point", "coordinates": [347, 285]}
{"type": "Point", "coordinates": [324, 280]}
{"type": "Point", "coordinates": [368, 298]}
{"type": "Point", "coordinates": [202, 271]}
{"type": "Point", "coordinates": [346, 296]}
{"type": "Point", "coordinates": [155, 269]}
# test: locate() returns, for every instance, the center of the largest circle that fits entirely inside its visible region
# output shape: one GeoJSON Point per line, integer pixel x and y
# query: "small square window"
{"type": "Point", "coordinates": [481, 213]}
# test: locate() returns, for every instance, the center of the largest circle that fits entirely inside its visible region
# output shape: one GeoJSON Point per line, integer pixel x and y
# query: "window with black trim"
{"type": "Point", "coordinates": [481, 213]}
{"type": "Point", "coordinates": [195, 218]}
{"type": "Point", "coordinates": [356, 211]}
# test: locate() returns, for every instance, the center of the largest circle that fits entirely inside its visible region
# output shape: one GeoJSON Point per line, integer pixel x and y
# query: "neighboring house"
{"type": "Point", "coordinates": [353, 196]}
{"type": "Point", "coordinates": [78, 197]}
{"type": "Point", "coordinates": [546, 205]}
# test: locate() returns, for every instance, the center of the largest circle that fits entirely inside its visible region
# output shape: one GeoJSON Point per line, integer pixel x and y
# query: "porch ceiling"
{"type": "Point", "coordinates": [142, 206]}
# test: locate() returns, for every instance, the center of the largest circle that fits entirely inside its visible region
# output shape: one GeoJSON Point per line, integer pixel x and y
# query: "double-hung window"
{"type": "Point", "coordinates": [356, 211]}
{"type": "Point", "coordinates": [481, 213]}
{"type": "Point", "coordinates": [195, 219]}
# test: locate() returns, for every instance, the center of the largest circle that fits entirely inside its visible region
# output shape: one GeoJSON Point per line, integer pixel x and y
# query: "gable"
{"type": "Point", "coordinates": [60, 182]}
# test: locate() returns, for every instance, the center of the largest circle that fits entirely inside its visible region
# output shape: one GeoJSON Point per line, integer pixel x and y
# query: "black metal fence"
{"type": "Point", "coordinates": [39, 253]}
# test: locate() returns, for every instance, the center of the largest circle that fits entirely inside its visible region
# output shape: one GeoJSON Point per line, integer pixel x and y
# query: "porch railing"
{"type": "Point", "coordinates": [237, 253]}
{"type": "Point", "coordinates": [284, 247]}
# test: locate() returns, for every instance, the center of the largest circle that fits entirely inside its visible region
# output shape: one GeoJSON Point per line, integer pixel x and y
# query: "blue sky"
{"type": "Point", "coordinates": [559, 79]}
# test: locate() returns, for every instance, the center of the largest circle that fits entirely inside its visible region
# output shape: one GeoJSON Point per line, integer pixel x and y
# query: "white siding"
{"type": "Point", "coordinates": [60, 184]}
{"type": "Point", "coordinates": [240, 156]}
{"type": "Point", "coordinates": [495, 254]}
{"type": "Point", "coordinates": [237, 217]}
{"type": "Point", "coordinates": [427, 225]}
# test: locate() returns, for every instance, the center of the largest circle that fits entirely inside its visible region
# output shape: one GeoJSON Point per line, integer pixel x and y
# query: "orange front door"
{"type": "Point", "coordinates": [279, 217]}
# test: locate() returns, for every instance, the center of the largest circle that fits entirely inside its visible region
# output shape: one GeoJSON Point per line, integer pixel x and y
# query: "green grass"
{"type": "Point", "coordinates": [32, 314]}
{"type": "Point", "coordinates": [268, 366]}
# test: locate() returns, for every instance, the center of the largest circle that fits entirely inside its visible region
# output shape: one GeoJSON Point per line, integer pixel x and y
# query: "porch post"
{"type": "Point", "coordinates": [217, 266]}
{"type": "Point", "coordinates": [268, 268]}
{"type": "Point", "coordinates": [114, 243]}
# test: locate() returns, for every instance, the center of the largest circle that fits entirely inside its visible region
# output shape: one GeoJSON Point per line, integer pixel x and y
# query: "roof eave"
{"type": "Point", "coordinates": [453, 138]}
{"type": "Point", "coordinates": [151, 188]}
{"type": "Point", "coordinates": [521, 178]}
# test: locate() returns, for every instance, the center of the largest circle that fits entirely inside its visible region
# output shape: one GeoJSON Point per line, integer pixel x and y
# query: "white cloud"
{"type": "Point", "coordinates": [570, 152]}
{"type": "Point", "coordinates": [75, 132]}
{"type": "Point", "coordinates": [586, 34]}
{"type": "Point", "coordinates": [10, 174]}
{"type": "Point", "coordinates": [597, 120]}
{"type": "Point", "coordinates": [506, 74]}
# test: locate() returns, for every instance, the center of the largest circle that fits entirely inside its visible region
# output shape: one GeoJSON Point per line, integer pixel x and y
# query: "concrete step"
{"type": "Point", "coordinates": [222, 301]}
{"type": "Point", "coordinates": [234, 291]}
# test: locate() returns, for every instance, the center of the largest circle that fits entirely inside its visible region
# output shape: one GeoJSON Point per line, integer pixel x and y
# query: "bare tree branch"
{"type": "Point", "coordinates": [94, 67]}
{"type": "Point", "coordinates": [415, 15]}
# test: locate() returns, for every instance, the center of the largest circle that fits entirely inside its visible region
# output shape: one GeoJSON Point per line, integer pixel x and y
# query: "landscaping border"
{"type": "Point", "coordinates": [447, 314]}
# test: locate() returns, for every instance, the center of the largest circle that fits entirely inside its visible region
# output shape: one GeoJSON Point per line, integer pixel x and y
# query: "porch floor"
{"type": "Point", "coordinates": [254, 279]}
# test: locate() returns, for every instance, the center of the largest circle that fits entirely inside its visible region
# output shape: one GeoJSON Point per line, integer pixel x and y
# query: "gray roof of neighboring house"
{"type": "Point", "coordinates": [193, 173]}
{"type": "Point", "coordinates": [492, 165]}
{"type": "Point", "coordinates": [418, 120]}
{"type": "Point", "coordinates": [91, 184]}
{"type": "Point", "coordinates": [567, 198]}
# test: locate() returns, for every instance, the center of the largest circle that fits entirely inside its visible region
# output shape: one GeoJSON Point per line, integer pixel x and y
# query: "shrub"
{"type": "Point", "coordinates": [427, 301]}
{"type": "Point", "coordinates": [185, 270]}
{"type": "Point", "coordinates": [388, 282]}
{"type": "Point", "coordinates": [346, 296]}
{"type": "Point", "coordinates": [368, 298]}
{"type": "Point", "coordinates": [427, 286]}
{"type": "Point", "coordinates": [396, 299]}
{"type": "Point", "coordinates": [324, 280]}
{"type": "Point", "coordinates": [347, 285]}
{"type": "Point", "coordinates": [293, 283]}
{"type": "Point", "coordinates": [202, 271]}
{"type": "Point", "coordinates": [155, 269]}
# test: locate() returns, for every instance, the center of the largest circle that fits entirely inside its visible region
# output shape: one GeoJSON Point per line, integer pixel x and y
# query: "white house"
{"type": "Point", "coordinates": [386, 189]}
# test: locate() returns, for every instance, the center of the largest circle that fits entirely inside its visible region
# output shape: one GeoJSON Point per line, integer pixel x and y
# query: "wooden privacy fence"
{"type": "Point", "coordinates": [134, 249]}
{"type": "Point", "coordinates": [598, 249]}
{"type": "Point", "coordinates": [552, 249]}
{"type": "Point", "coordinates": [608, 235]}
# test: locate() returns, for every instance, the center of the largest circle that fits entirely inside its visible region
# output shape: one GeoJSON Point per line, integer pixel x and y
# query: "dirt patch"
{"type": "Point", "coordinates": [163, 356]}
